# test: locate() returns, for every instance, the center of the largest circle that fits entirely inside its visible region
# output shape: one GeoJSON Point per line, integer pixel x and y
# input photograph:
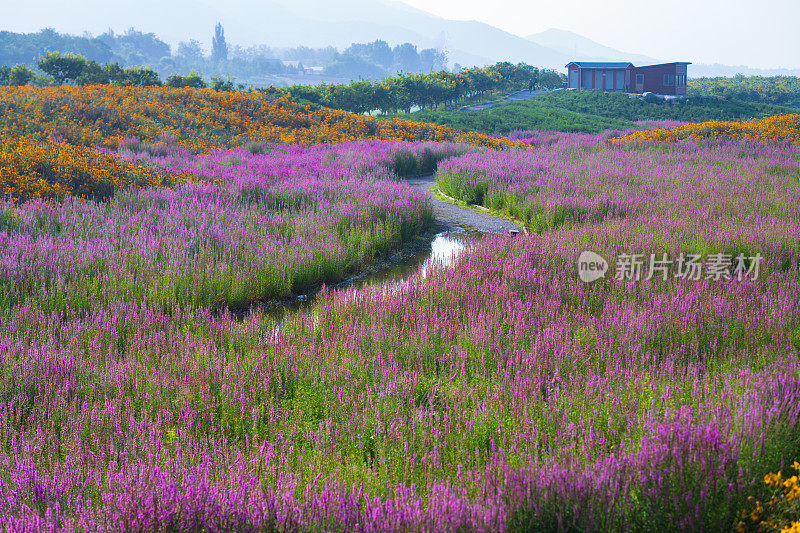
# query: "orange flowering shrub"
{"type": "Point", "coordinates": [776, 128]}
{"type": "Point", "coordinates": [30, 168]}
{"type": "Point", "coordinates": [782, 512]}
{"type": "Point", "coordinates": [200, 119]}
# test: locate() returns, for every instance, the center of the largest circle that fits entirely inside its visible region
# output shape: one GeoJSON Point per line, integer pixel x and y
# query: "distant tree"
{"type": "Point", "coordinates": [135, 47]}
{"type": "Point", "coordinates": [62, 68]}
{"type": "Point", "coordinates": [353, 67]}
{"type": "Point", "coordinates": [309, 56]}
{"type": "Point", "coordinates": [406, 58]}
{"type": "Point", "coordinates": [219, 84]}
{"type": "Point", "coordinates": [190, 50]}
{"type": "Point", "coordinates": [251, 53]}
{"type": "Point", "coordinates": [432, 60]}
{"type": "Point", "coordinates": [377, 52]}
{"type": "Point", "coordinates": [194, 79]}
{"type": "Point", "coordinates": [381, 54]}
{"type": "Point", "coordinates": [5, 73]}
{"type": "Point", "coordinates": [92, 74]}
{"type": "Point", "coordinates": [28, 47]}
{"type": "Point", "coordinates": [219, 48]}
{"type": "Point", "coordinates": [20, 75]}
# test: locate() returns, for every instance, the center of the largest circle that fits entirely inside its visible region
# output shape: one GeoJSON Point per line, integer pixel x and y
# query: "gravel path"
{"type": "Point", "coordinates": [513, 97]}
{"type": "Point", "coordinates": [452, 217]}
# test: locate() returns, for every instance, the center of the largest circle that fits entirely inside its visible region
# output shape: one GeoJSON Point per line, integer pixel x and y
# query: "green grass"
{"type": "Point", "coordinates": [779, 90]}
{"type": "Point", "coordinates": [591, 111]}
{"type": "Point", "coordinates": [621, 106]}
{"type": "Point", "coordinates": [517, 116]}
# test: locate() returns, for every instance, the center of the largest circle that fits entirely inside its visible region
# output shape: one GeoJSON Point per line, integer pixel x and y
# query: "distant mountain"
{"type": "Point", "coordinates": [319, 23]}
{"type": "Point", "coordinates": [282, 23]}
{"type": "Point", "coordinates": [580, 48]}
{"type": "Point", "coordinates": [727, 71]}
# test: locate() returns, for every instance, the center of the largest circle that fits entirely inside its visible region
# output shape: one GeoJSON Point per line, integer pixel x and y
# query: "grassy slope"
{"type": "Point", "coordinates": [516, 116]}
{"type": "Point", "coordinates": [779, 90]}
{"type": "Point", "coordinates": [621, 106]}
{"type": "Point", "coordinates": [591, 112]}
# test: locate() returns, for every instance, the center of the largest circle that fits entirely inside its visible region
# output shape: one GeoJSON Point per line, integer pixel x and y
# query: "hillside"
{"type": "Point", "coordinates": [621, 106]}
{"type": "Point", "coordinates": [48, 135]}
{"type": "Point", "coordinates": [520, 116]}
{"type": "Point", "coordinates": [200, 119]}
{"type": "Point", "coordinates": [578, 47]}
{"type": "Point", "coordinates": [779, 90]}
{"type": "Point", "coordinates": [592, 112]}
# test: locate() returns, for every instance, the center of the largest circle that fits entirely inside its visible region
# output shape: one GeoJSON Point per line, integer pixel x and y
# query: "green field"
{"type": "Point", "coordinates": [779, 90]}
{"type": "Point", "coordinates": [592, 111]}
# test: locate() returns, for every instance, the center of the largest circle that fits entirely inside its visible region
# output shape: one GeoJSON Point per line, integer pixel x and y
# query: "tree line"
{"type": "Point", "coordinates": [74, 69]}
{"type": "Point", "coordinates": [374, 60]}
{"type": "Point", "coordinates": [778, 90]}
{"type": "Point", "coordinates": [395, 93]}
{"type": "Point", "coordinates": [405, 92]}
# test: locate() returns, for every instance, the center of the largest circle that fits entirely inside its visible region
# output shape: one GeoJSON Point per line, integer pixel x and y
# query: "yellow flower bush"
{"type": "Point", "coordinates": [30, 169]}
{"type": "Point", "coordinates": [48, 135]}
{"type": "Point", "coordinates": [200, 119]}
{"type": "Point", "coordinates": [769, 129]}
{"type": "Point", "coordinates": [782, 512]}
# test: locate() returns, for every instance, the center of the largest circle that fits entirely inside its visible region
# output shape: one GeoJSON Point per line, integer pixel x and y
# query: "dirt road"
{"type": "Point", "coordinates": [513, 97]}
{"type": "Point", "coordinates": [452, 217]}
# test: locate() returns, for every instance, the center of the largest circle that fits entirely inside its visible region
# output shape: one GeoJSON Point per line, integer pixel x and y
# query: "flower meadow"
{"type": "Point", "coordinates": [500, 393]}
{"type": "Point", "coordinates": [48, 135]}
{"type": "Point", "coordinates": [785, 128]}
{"type": "Point", "coordinates": [30, 169]}
{"type": "Point", "coordinates": [201, 119]}
{"type": "Point", "coordinates": [250, 224]}
{"type": "Point", "coordinates": [698, 196]}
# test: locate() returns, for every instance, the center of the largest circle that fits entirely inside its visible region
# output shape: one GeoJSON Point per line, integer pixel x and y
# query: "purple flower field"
{"type": "Point", "coordinates": [500, 393]}
{"type": "Point", "coordinates": [265, 221]}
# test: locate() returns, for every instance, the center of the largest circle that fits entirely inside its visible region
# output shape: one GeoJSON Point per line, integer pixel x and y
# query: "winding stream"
{"type": "Point", "coordinates": [455, 227]}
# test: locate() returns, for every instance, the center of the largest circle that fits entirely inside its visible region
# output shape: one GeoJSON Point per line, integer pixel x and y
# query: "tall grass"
{"type": "Point", "coordinates": [501, 393]}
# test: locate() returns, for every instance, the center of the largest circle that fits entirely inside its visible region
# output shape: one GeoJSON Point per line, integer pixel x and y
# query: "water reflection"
{"type": "Point", "coordinates": [392, 273]}
{"type": "Point", "coordinates": [445, 249]}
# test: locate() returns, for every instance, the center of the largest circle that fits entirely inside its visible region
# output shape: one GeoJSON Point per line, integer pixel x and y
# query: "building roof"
{"type": "Point", "coordinates": [667, 64]}
{"type": "Point", "coordinates": [600, 64]}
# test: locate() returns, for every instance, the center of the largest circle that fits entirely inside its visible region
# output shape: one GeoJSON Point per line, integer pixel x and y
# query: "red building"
{"type": "Point", "coordinates": [593, 75]}
{"type": "Point", "coordinates": [666, 78]}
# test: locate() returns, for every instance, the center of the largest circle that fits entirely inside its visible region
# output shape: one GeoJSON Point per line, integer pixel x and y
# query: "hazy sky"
{"type": "Point", "coordinates": [759, 33]}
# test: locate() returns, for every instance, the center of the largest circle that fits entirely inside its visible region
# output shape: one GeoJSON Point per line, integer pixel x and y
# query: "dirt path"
{"type": "Point", "coordinates": [513, 97]}
{"type": "Point", "coordinates": [452, 217]}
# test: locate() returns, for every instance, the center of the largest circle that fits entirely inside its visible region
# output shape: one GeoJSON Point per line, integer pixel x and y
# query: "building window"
{"type": "Point", "coordinates": [669, 79]}
{"type": "Point", "coordinates": [639, 79]}
{"type": "Point", "coordinates": [681, 80]}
